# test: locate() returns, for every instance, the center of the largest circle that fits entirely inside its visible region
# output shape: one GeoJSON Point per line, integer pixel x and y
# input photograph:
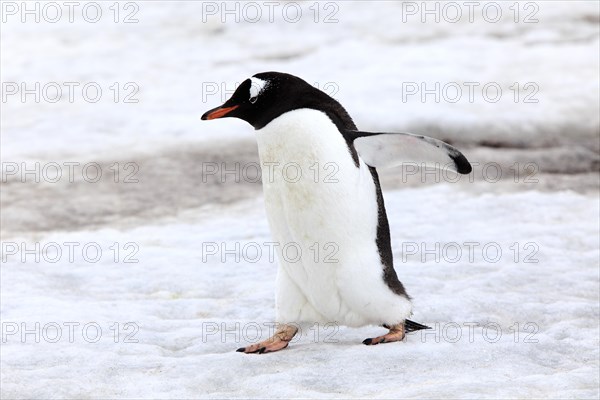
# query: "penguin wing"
{"type": "Point", "coordinates": [387, 150]}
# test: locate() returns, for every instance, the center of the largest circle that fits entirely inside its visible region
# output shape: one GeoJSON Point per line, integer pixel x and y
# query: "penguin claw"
{"type": "Point", "coordinates": [241, 350]}
{"type": "Point", "coordinates": [373, 341]}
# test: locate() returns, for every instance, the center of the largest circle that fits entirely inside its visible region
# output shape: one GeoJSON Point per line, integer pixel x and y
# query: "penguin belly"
{"type": "Point", "coordinates": [323, 214]}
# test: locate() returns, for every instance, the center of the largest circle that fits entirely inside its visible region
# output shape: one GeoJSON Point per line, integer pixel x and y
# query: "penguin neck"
{"type": "Point", "coordinates": [304, 136]}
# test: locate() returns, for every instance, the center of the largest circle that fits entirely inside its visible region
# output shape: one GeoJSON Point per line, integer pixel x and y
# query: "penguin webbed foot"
{"type": "Point", "coordinates": [396, 334]}
{"type": "Point", "coordinates": [279, 341]}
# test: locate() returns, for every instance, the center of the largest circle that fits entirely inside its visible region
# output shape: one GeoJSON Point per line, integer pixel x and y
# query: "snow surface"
{"type": "Point", "coordinates": [178, 301]}
{"type": "Point", "coordinates": [363, 60]}
{"type": "Point", "coordinates": [186, 304]}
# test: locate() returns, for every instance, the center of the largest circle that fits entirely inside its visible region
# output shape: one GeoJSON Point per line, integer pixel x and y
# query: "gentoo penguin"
{"type": "Point", "coordinates": [322, 195]}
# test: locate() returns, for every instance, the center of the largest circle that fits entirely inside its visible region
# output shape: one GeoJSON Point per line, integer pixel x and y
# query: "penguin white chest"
{"type": "Point", "coordinates": [323, 214]}
{"type": "Point", "coordinates": [310, 179]}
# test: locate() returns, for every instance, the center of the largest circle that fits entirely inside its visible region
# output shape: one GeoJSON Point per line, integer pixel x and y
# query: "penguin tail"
{"type": "Point", "coordinates": [411, 326]}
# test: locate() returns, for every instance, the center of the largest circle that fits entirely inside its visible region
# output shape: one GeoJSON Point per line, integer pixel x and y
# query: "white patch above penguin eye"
{"type": "Point", "coordinates": [256, 87]}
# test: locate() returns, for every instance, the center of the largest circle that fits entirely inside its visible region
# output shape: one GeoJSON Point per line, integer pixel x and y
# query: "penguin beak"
{"type": "Point", "coordinates": [218, 112]}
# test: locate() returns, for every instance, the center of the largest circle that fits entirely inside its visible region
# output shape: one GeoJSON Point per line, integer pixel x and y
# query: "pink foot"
{"type": "Point", "coordinates": [395, 334]}
{"type": "Point", "coordinates": [278, 341]}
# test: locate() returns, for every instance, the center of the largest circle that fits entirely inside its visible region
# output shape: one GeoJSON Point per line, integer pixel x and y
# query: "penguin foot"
{"type": "Point", "coordinates": [395, 334]}
{"type": "Point", "coordinates": [279, 341]}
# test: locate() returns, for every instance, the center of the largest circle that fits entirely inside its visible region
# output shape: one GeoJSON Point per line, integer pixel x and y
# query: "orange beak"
{"type": "Point", "coordinates": [218, 112]}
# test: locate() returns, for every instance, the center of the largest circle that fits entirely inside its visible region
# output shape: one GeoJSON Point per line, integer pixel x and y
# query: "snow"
{"type": "Point", "coordinates": [368, 62]}
{"type": "Point", "coordinates": [188, 309]}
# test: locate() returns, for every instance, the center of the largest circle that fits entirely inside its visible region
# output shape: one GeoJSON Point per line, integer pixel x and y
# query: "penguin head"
{"type": "Point", "coordinates": [264, 97]}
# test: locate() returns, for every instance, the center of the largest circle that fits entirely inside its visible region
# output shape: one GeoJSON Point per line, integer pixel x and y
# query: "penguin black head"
{"type": "Point", "coordinates": [267, 95]}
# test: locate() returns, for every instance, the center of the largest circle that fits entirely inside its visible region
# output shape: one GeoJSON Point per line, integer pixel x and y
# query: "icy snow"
{"type": "Point", "coordinates": [188, 310]}
{"type": "Point", "coordinates": [364, 60]}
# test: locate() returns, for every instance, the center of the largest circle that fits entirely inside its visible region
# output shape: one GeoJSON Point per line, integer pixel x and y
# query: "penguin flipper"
{"type": "Point", "coordinates": [387, 150]}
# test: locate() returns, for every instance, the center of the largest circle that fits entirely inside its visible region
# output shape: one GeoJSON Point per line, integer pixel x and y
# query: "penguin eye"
{"type": "Point", "coordinates": [253, 99]}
